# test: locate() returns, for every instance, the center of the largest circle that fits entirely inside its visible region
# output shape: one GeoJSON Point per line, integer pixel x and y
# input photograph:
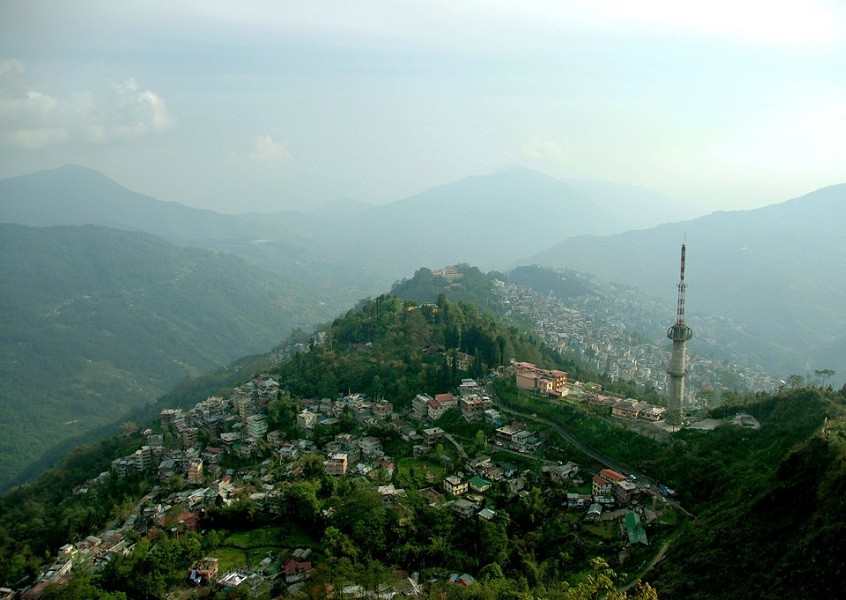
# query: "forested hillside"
{"type": "Point", "coordinates": [96, 320]}
{"type": "Point", "coordinates": [767, 502]}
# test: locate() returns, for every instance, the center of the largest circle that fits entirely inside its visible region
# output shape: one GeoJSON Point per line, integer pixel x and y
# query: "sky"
{"type": "Point", "coordinates": [263, 106]}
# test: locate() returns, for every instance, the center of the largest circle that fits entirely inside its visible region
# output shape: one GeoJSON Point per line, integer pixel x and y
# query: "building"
{"type": "Point", "coordinates": [432, 435]}
{"type": "Point", "coordinates": [455, 485]}
{"type": "Point", "coordinates": [195, 471]}
{"type": "Point", "coordinates": [601, 487]}
{"type": "Point", "coordinates": [420, 406]}
{"type": "Point", "coordinates": [306, 419]}
{"type": "Point", "coordinates": [257, 426]}
{"type": "Point", "coordinates": [543, 381]}
{"type": "Point", "coordinates": [474, 406]}
{"type": "Point", "coordinates": [635, 529]}
{"type": "Point", "coordinates": [382, 409]}
{"type": "Point", "coordinates": [447, 401]}
{"type": "Point", "coordinates": [336, 464]}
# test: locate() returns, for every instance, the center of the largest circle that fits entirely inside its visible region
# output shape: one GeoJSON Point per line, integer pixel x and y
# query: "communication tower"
{"type": "Point", "coordinates": [679, 333]}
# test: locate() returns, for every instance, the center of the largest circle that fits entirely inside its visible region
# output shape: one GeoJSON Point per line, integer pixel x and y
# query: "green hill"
{"type": "Point", "coordinates": [768, 503]}
{"type": "Point", "coordinates": [94, 321]}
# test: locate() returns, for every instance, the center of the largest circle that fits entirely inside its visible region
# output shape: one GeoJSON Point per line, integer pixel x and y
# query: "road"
{"type": "Point", "coordinates": [579, 445]}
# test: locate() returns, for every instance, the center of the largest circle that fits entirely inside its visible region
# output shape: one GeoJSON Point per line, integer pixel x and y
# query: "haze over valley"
{"type": "Point", "coordinates": [428, 299]}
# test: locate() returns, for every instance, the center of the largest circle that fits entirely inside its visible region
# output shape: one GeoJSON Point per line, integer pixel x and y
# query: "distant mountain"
{"type": "Point", "coordinates": [342, 207]}
{"type": "Point", "coordinates": [778, 270]}
{"type": "Point", "coordinates": [287, 243]}
{"type": "Point", "coordinates": [636, 206]}
{"type": "Point", "coordinates": [485, 220]}
{"type": "Point", "coordinates": [95, 320]}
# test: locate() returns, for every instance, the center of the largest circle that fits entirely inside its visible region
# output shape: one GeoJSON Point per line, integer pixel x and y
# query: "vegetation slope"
{"type": "Point", "coordinates": [95, 321]}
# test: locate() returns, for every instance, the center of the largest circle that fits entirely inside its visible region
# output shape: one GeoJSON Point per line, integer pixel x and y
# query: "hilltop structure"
{"type": "Point", "coordinates": [680, 334]}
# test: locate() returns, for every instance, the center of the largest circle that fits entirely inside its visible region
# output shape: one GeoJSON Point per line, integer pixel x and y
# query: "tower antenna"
{"type": "Point", "coordinates": [679, 333]}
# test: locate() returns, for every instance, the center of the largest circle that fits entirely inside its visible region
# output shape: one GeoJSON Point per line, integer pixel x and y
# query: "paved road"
{"type": "Point", "coordinates": [459, 447]}
{"type": "Point", "coordinates": [579, 445]}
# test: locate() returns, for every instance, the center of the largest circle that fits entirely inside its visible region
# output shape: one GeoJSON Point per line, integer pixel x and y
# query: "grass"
{"type": "Point", "coordinates": [600, 530]}
{"type": "Point", "coordinates": [249, 547]}
{"type": "Point", "coordinates": [421, 468]}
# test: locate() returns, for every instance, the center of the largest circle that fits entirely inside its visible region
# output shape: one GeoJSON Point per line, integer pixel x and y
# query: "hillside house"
{"type": "Point", "coordinates": [336, 464]}
{"type": "Point", "coordinates": [455, 485]}
{"type": "Point", "coordinates": [544, 381]}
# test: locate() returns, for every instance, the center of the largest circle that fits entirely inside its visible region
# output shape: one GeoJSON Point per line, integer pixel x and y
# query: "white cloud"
{"type": "Point", "coordinates": [267, 149]}
{"type": "Point", "coordinates": [31, 119]}
{"type": "Point", "coordinates": [766, 22]}
{"type": "Point", "coordinates": [537, 149]}
{"type": "Point", "coordinates": [26, 115]}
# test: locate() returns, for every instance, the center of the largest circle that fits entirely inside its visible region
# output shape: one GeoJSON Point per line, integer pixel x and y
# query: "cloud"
{"type": "Point", "coordinates": [267, 149]}
{"type": "Point", "coordinates": [757, 22]}
{"type": "Point", "coordinates": [31, 119]}
{"type": "Point", "coordinates": [537, 149]}
{"type": "Point", "coordinates": [26, 115]}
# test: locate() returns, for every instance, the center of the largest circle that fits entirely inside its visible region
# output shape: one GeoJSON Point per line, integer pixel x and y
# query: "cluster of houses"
{"type": "Point", "coordinates": [190, 446]}
{"type": "Point", "coordinates": [553, 383]}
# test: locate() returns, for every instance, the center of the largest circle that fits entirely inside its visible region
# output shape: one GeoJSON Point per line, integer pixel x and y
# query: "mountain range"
{"type": "Point", "coordinates": [774, 269]}
{"type": "Point", "coordinates": [778, 270]}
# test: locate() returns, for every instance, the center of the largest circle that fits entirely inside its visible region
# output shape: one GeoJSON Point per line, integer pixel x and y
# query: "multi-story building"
{"type": "Point", "coordinates": [455, 485]}
{"type": "Point", "coordinates": [195, 471]}
{"type": "Point", "coordinates": [543, 381]}
{"type": "Point", "coordinates": [257, 426]}
{"type": "Point", "coordinates": [420, 406]}
{"type": "Point", "coordinates": [306, 419]}
{"type": "Point", "coordinates": [336, 464]}
{"type": "Point", "coordinates": [382, 409]}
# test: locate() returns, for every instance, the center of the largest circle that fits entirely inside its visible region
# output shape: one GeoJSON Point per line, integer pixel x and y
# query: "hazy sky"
{"type": "Point", "coordinates": [263, 105]}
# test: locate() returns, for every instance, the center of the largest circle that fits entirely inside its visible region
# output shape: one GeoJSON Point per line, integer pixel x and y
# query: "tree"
{"type": "Point", "coordinates": [823, 375]}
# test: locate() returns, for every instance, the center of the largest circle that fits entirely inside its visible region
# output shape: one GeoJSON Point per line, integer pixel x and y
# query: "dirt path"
{"type": "Point", "coordinates": [648, 567]}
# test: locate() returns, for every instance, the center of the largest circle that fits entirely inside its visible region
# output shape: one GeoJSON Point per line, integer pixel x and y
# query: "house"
{"type": "Point", "coordinates": [612, 475]}
{"type": "Point", "coordinates": [420, 406]}
{"type": "Point", "coordinates": [455, 485]}
{"type": "Point", "coordinates": [306, 419]}
{"type": "Point", "coordinates": [336, 464]}
{"type": "Point", "coordinates": [382, 409]}
{"type": "Point", "coordinates": [473, 406]}
{"type": "Point", "coordinates": [543, 381]}
{"type": "Point", "coordinates": [635, 529]}
{"type": "Point", "coordinates": [494, 417]}
{"type": "Point", "coordinates": [295, 570]}
{"type": "Point", "coordinates": [195, 471]}
{"type": "Point", "coordinates": [463, 508]}
{"type": "Point", "coordinates": [505, 434]}
{"type": "Point", "coordinates": [628, 408]}
{"type": "Point", "coordinates": [486, 514]}
{"type": "Point", "coordinates": [432, 495]}
{"type": "Point", "coordinates": [477, 484]}
{"type": "Point", "coordinates": [577, 500]}
{"type": "Point", "coordinates": [462, 580]}
{"type": "Point", "coordinates": [257, 426]}
{"type": "Point", "coordinates": [594, 513]}
{"type": "Point", "coordinates": [601, 486]}
{"type": "Point", "coordinates": [432, 435]}
{"type": "Point", "coordinates": [623, 491]}
{"type": "Point", "coordinates": [447, 400]}
{"type": "Point", "coordinates": [435, 410]}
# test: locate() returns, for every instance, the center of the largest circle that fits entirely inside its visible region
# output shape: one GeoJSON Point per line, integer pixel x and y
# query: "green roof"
{"type": "Point", "coordinates": [479, 483]}
{"type": "Point", "coordinates": [634, 527]}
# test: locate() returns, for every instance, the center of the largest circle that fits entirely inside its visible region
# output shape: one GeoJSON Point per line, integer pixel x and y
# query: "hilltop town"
{"type": "Point", "coordinates": [621, 335]}
{"type": "Point", "coordinates": [222, 453]}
